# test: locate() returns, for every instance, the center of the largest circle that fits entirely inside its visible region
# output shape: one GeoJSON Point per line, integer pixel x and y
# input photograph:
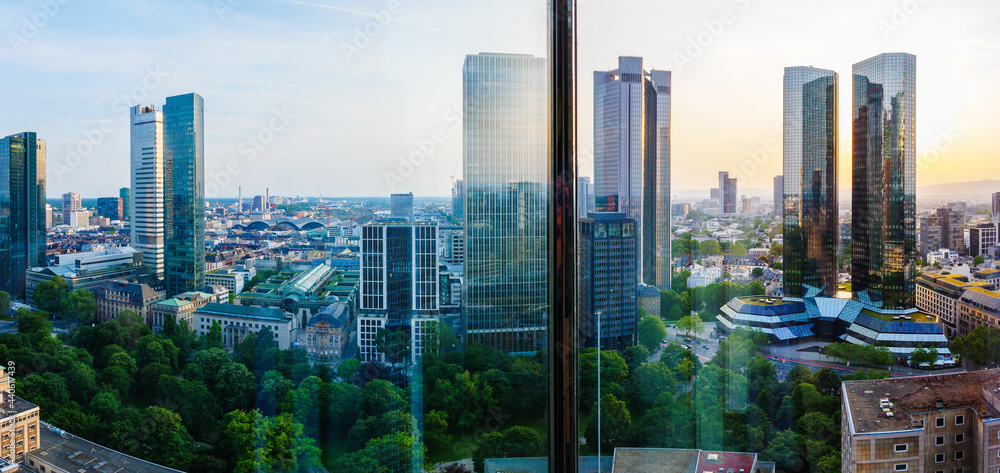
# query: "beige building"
{"type": "Point", "coordinates": [18, 425]}
{"type": "Point", "coordinates": [939, 294]}
{"type": "Point", "coordinates": [326, 333]}
{"type": "Point", "coordinates": [180, 307]}
{"type": "Point", "coordinates": [942, 424]}
{"type": "Point", "coordinates": [116, 296]}
{"type": "Point", "coordinates": [976, 307]}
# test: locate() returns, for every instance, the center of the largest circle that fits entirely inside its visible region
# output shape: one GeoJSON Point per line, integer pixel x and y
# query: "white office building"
{"type": "Point", "coordinates": [146, 200]}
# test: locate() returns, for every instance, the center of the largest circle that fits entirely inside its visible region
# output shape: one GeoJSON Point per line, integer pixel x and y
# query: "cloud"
{"type": "Point", "coordinates": [354, 12]}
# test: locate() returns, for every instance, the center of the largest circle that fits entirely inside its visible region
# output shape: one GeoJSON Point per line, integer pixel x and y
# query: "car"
{"type": "Point", "coordinates": [685, 347]}
{"type": "Point", "coordinates": [687, 340]}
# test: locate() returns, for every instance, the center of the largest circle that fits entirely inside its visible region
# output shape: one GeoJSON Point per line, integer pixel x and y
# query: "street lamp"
{"type": "Point", "coordinates": [598, 315]}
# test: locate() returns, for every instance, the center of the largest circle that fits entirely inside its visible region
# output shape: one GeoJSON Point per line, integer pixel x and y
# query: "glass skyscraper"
{"type": "Point", "coordinates": [147, 206]}
{"type": "Point", "coordinates": [632, 157]}
{"type": "Point", "coordinates": [607, 280]}
{"type": "Point", "coordinates": [883, 117]}
{"type": "Point", "coordinates": [184, 158]}
{"type": "Point", "coordinates": [22, 209]}
{"type": "Point", "coordinates": [506, 159]}
{"type": "Point", "coordinates": [810, 181]}
{"type": "Point", "coordinates": [126, 194]}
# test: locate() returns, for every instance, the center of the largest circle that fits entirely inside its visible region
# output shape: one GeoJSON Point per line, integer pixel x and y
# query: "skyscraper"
{"type": "Point", "coordinates": [505, 158]}
{"type": "Point", "coordinates": [944, 229]}
{"type": "Point", "coordinates": [810, 208]}
{"type": "Point", "coordinates": [401, 206]}
{"type": "Point", "coordinates": [883, 117]}
{"type": "Point", "coordinates": [71, 203]}
{"type": "Point", "coordinates": [779, 191]}
{"type": "Point", "coordinates": [583, 196]}
{"type": "Point", "coordinates": [727, 193]}
{"type": "Point", "coordinates": [146, 199]}
{"type": "Point", "coordinates": [457, 198]}
{"type": "Point", "coordinates": [22, 209]}
{"type": "Point", "coordinates": [110, 207]}
{"type": "Point", "coordinates": [608, 280]}
{"type": "Point", "coordinates": [184, 155]}
{"type": "Point", "coordinates": [632, 157]}
{"type": "Point", "coordinates": [126, 194]}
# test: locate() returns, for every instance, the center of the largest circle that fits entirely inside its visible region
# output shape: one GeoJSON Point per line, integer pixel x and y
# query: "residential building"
{"type": "Point", "coordinates": [938, 295]}
{"type": "Point", "coordinates": [147, 204]}
{"type": "Point", "coordinates": [326, 333]}
{"type": "Point", "coordinates": [883, 211]}
{"type": "Point", "coordinates": [632, 158]}
{"type": "Point", "coordinates": [981, 238]}
{"type": "Point", "coordinates": [607, 275]}
{"type": "Point", "coordinates": [239, 321]}
{"type": "Point", "coordinates": [125, 194]}
{"type": "Point", "coordinates": [71, 202]}
{"type": "Point", "coordinates": [727, 193]}
{"type": "Point", "coordinates": [649, 299]}
{"type": "Point", "coordinates": [229, 277]}
{"type": "Point", "coordinates": [779, 191]}
{"type": "Point", "coordinates": [401, 206]}
{"type": "Point", "coordinates": [978, 306]}
{"type": "Point", "coordinates": [505, 160]}
{"type": "Point", "coordinates": [110, 208]}
{"type": "Point", "coordinates": [20, 420]}
{"type": "Point", "coordinates": [181, 307]}
{"type": "Point", "coordinates": [810, 209]}
{"type": "Point", "coordinates": [90, 270]}
{"type": "Point", "coordinates": [22, 210]}
{"type": "Point", "coordinates": [948, 422]}
{"type": "Point", "coordinates": [184, 186]}
{"type": "Point", "coordinates": [944, 229]}
{"type": "Point", "coordinates": [116, 296]}
{"type": "Point", "coordinates": [399, 281]}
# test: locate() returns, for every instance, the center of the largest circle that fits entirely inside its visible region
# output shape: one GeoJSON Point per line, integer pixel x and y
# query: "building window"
{"type": "Point", "coordinates": [960, 455]}
{"type": "Point", "coordinates": [939, 458]}
{"type": "Point", "coordinates": [959, 420]}
{"type": "Point", "coordinates": [939, 422]}
{"type": "Point", "coordinates": [899, 467]}
{"type": "Point", "coordinates": [900, 447]}
{"type": "Point", "coordinates": [939, 440]}
{"type": "Point", "coordinates": [959, 438]}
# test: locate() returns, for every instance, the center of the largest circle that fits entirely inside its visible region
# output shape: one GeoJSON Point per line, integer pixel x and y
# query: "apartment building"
{"type": "Point", "coordinates": [978, 306]}
{"type": "Point", "coordinates": [939, 294]}
{"type": "Point", "coordinates": [18, 425]}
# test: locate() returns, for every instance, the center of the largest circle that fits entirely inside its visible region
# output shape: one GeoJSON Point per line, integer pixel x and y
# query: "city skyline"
{"type": "Point", "coordinates": [957, 66]}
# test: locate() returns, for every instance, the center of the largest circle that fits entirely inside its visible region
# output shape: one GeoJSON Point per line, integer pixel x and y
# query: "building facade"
{"type": "Point", "coordinates": [90, 270]}
{"type": "Point", "coordinates": [779, 192]}
{"type": "Point", "coordinates": [20, 421]}
{"type": "Point", "coordinates": [22, 210]}
{"type": "Point", "coordinates": [810, 209]}
{"type": "Point", "coordinates": [116, 296]}
{"type": "Point", "coordinates": [505, 159]}
{"type": "Point", "coordinates": [326, 333]}
{"type": "Point", "coordinates": [401, 206]}
{"type": "Point", "coordinates": [608, 280]}
{"type": "Point", "coordinates": [457, 199]}
{"type": "Point", "coordinates": [230, 277]}
{"type": "Point", "coordinates": [981, 238]}
{"type": "Point", "coordinates": [944, 229]}
{"type": "Point", "coordinates": [938, 295]}
{"type": "Point", "coordinates": [883, 117]}
{"type": "Point", "coordinates": [181, 307]}
{"type": "Point", "coordinates": [184, 185]}
{"type": "Point", "coordinates": [632, 158]}
{"type": "Point", "coordinates": [239, 321]}
{"type": "Point", "coordinates": [727, 193]}
{"type": "Point", "coordinates": [71, 202]}
{"type": "Point", "coordinates": [110, 208]}
{"type": "Point", "coordinates": [147, 207]}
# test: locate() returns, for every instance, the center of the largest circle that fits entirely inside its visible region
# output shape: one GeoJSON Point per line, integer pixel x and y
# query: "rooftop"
{"type": "Point", "coordinates": [20, 405]}
{"type": "Point", "coordinates": [915, 394]}
{"type": "Point", "coordinates": [71, 453]}
{"type": "Point", "coordinates": [242, 311]}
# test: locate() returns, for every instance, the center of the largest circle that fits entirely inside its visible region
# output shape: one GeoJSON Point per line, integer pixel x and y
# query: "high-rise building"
{"type": "Point", "coordinates": [632, 157]}
{"type": "Point", "coordinates": [727, 193]}
{"type": "Point", "coordinates": [457, 197]}
{"type": "Point", "coordinates": [184, 152]}
{"type": "Point", "coordinates": [110, 207]}
{"type": "Point", "coordinates": [126, 194]}
{"type": "Point", "coordinates": [883, 213]}
{"type": "Point", "coordinates": [258, 203]}
{"type": "Point", "coordinates": [982, 237]}
{"type": "Point", "coordinates": [607, 280]}
{"type": "Point", "coordinates": [48, 217]}
{"type": "Point", "coordinates": [399, 286]}
{"type": "Point", "coordinates": [146, 198]}
{"type": "Point", "coordinates": [583, 204]}
{"type": "Point", "coordinates": [71, 203]}
{"type": "Point", "coordinates": [401, 206]}
{"type": "Point", "coordinates": [944, 229]}
{"type": "Point", "coordinates": [505, 158]}
{"type": "Point", "coordinates": [779, 199]}
{"type": "Point", "coordinates": [22, 209]}
{"type": "Point", "coordinates": [810, 210]}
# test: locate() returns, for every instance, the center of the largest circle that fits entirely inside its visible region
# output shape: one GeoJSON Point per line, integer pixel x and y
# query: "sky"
{"type": "Point", "coordinates": [360, 97]}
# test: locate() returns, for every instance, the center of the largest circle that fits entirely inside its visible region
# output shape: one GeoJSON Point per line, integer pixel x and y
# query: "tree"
{"type": "Point", "coordinates": [514, 442]}
{"type": "Point", "coordinates": [214, 338]}
{"type": "Point", "coordinates": [651, 332]}
{"type": "Point", "coordinates": [235, 387]}
{"type": "Point", "coordinates": [635, 356]}
{"type": "Point", "coordinates": [757, 272]}
{"type": "Point", "coordinates": [738, 249]}
{"type": "Point", "coordinates": [827, 381]}
{"type": "Point", "coordinates": [649, 381]}
{"type": "Point", "coordinates": [978, 260]}
{"type": "Point", "coordinates": [710, 247]}
{"type": "Point", "coordinates": [161, 438]}
{"type": "Point", "coordinates": [923, 355]}
{"type": "Point", "coordinates": [308, 398]}
{"type": "Point", "coordinates": [442, 338]}
{"type": "Point", "coordinates": [4, 304]}
{"type": "Point", "coordinates": [81, 306]}
{"type": "Point", "coordinates": [435, 430]}
{"type": "Point", "coordinates": [614, 375]}
{"type": "Point", "coordinates": [616, 421]}
{"type": "Point", "coordinates": [51, 295]}
{"type": "Point", "coordinates": [691, 323]}
{"type": "Point", "coordinates": [470, 398]}
{"type": "Point", "coordinates": [957, 346]}
{"type": "Point", "coordinates": [348, 368]}
{"type": "Point", "coordinates": [787, 451]}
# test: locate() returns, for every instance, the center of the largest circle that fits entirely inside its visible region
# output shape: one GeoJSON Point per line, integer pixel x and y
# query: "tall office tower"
{"type": "Point", "coordinates": [71, 203]}
{"type": "Point", "coordinates": [184, 186]}
{"type": "Point", "coordinates": [48, 217]}
{"type": "Point", "coordinates": [399, 287]}
{"type": "Point", "coordinates": [110, 207]}
{"type": "Point", "coordinates": [727, 193]}
{"type": "Point", "coordinates": [457, 199]}
{"type": "Point", "coordinates": [146, 200]}
{"type": "Point", "coordinates": [258, 203]}
{"type": "Point", "coordinates": [401, 206]}
{"type": "Point", "coordinates": [810, 210]}
{"type": "Point", "coordinates": [126, 194]}
{"type": "Point", "coordinates": [505, 159]}
{"type": "Point", "coordinates": [883, 207]}
{"type": "Point", "coordinates": [779, 199]}
{"type": "Point", "coordinates": [583, 196]}
{"type": "Point", "coordinates": [944, 229]}
{"type": "Point", "coordinates": [22, 209]}
{"type": "Point", "coordinates": [607, 280]}
{"type": "Point", "coordinates": [632, 157]}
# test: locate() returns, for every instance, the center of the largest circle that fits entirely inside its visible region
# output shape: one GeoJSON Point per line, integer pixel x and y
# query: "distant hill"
{"type": "Point", "coordinates": [980, 190]}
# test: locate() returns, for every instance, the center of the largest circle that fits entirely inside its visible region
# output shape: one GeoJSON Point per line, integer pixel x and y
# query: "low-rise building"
{"type": "Point", "coordinates": [940, 255]}
{"type": "Point", "coordinates": [90, 270]}
{"type": "Point", "coordinates": [703, 276]}
{"type": "Point", "coordinates": [228, 277]}
{"type": "Point", "coordinates": [181, 307]}
{"type": "Point", "coordinates": [938, 295]}
{"type": "Point", "coordinates": [649, 298]}
{"type": "Point", "coordinates": [19, 419]}
{"type": "Point", "coordinates": [326, 333]}
{"type": "Point", "coordinates": [977, 306]}
{"type": "Point", "coordinates": [116, 296]}
{"type": "Point", "coordinates": [238, 321]}
{"type": "Point", "coordinates": [947, 423]}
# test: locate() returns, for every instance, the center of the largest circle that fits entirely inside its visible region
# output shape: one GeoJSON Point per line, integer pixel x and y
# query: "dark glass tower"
{"type": "Point", "coordinates": [883, 117]}
{"type": "Point", "coordinates": [22, 209]}
{"type": "Point", "coordinates": [125, 194]}
{"type": "Point", "coordinates": [810, 181]}
{"type": "Point", "coordinates": [184, 186]}
{"type": "Point", "coordinates": [607, 280]}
